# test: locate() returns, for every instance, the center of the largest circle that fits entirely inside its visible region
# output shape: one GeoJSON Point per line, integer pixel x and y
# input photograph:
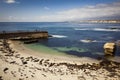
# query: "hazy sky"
{"type": "Point", "coordinates": [57, 10]}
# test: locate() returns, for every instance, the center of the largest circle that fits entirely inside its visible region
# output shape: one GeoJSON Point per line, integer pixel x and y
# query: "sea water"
{"type": "Point", "coordinates": [77, 39]}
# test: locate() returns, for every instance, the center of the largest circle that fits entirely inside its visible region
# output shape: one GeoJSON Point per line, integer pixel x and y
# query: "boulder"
{"type": "Point", "coordinates": [109, 48]}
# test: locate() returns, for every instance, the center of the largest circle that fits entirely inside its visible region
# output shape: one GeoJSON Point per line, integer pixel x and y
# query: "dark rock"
{"type": "Point", "coordinates": [36, 60]}
{"type": "Point", "coordinates": [109, 65]}
{"type": "Point", "coordinates": [17, 56]}
{"type": "Point", "coordinates": [12, 62]}
{"type": "Point", "coordinates": [51, 64]}
{"type": "Point", "coordinates": [5, 69]}
{"type": "Point", "coordinates": [81, 78]}
{"type": "Point", "coordinates": [44, 75]}
{"type": "Point", "coordinates": [21, 79]}
{"type": "Point", "coordinates": [22, 58]}
{"type": "Point", "coordinates": [32, 76]}
{"type": "Point", "coordinates": [24, 62]}
{"type": "Point", "coordinates": [27, 77]}
{"type": "Point", "coordinates": [41, 61]}
{"type": "Point", "coordinates": [1, 78]}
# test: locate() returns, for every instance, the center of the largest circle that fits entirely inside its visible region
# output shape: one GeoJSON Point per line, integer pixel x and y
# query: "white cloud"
{"type": "Point", "coordinates": [90, 11]}
{"type": "Point", "coordinates": [46, 8]}
{"type": "Point", "coordinates": [11, 1]}
{"type": "Point", "coordinates": [86, 12]}
{"type": "Point", "coordinates": [10, 18]}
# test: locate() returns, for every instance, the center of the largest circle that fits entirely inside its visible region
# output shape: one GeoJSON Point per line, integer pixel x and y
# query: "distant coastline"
{"type": "Point", "coordinates": [97, 21]}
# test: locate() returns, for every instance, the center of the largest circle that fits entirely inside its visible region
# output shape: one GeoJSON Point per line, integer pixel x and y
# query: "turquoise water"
{"type": "Point", "coordinates": [54, 51]}
{"type": "Point", "coordinates": [43, 49]}
{"type": "Point", "coordinates": [77, 39]}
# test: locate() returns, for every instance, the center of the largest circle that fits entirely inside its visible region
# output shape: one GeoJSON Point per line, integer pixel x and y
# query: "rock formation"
{"type": "Point", "coordinates": [109, 48]}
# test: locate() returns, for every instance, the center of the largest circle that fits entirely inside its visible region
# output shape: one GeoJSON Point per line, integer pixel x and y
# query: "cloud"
{"type": "Point", "coordinates": [86, 12]}
{"type": "Point", "coordinates": [11, 1]}
{"type": "Point", "coordinates": [46, 8]}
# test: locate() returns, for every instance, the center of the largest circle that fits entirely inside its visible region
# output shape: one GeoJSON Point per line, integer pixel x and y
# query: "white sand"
{"type": "Point", "coordinates": [26, 64]}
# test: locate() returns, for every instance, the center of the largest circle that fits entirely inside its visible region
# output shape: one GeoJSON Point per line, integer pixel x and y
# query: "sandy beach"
{"type": "Point", "coordinates": [20, 63]}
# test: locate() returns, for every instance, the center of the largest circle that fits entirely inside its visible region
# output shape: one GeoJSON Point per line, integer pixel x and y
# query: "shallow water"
{"type": "Point", "coordinates": [82, 40]}
{"type": "Point", "coordinates": [43, 49]}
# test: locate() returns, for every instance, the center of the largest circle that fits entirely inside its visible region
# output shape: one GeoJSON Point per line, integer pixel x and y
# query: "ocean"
{"type": "Point", "coordinates": [76, 39]}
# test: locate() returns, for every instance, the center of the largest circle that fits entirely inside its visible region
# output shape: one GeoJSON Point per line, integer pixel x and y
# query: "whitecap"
{"type": "Point", "coordinates": [89, 41]}
{"type": "Point", "coordinates": [102, 29]}
{"type": "Point", "coordinates": [98, 29]}
{"type": "Point", "coordinates": [59, 36]}
{"type": "Point", "coordinates": [80, 29]}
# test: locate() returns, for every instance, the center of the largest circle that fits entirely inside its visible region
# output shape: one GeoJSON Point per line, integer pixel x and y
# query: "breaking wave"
{"type": "Point", "coordinates": [89, 41]}
{"type": "Point", "coordinates": [81, 29]}
{"type": "Point", "coordinates": [59, 36]}
{"type": "Point", "coordinates": [102, 29]}
{"type": "Point", "coordinates": [98, 29]}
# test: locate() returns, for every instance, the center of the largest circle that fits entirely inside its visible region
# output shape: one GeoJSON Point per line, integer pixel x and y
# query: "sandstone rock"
{"type": "Point", "coordinates": [109, 48]}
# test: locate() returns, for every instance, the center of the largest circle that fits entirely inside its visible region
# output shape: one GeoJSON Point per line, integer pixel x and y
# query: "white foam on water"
{"type": "Point", "coordinates": [80, 29]}
{"type": "Point", "coordinates": [98, 29]}
{"type": "Point", "coordinates": [59, 36]}
{"type": "Point", "coordinates": [102, 29]}
{"type": "Point", "coordinates": [89, 41]}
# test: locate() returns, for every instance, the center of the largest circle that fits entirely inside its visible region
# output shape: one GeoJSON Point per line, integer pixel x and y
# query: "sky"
{"type": "Point", "coordinates": [58, 10]}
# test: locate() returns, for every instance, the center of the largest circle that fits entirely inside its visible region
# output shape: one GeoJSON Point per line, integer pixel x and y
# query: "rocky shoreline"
{"type": "Point", "coordinates": [15, 66]}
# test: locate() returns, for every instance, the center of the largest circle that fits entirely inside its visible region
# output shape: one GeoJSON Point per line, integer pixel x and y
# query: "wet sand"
{"type": "Point", "coordinates": [20, 63]}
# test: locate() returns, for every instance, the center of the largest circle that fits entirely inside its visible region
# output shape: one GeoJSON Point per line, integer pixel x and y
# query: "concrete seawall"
{"type": "Point", "coordinates": [24, 35]}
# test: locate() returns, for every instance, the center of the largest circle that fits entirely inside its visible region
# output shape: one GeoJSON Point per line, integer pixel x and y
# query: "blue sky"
{"type": "Point", "coordinates": [57, 10]}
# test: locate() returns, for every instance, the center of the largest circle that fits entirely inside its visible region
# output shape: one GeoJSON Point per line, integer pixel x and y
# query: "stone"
{"type": "Point", "coordinates": [109, 48]}
{"type": "Point", "coordinates": [5, 69]}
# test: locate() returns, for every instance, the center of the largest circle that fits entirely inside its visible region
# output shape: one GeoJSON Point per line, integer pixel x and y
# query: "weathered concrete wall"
{"type": "Point", "coordinates": [32, 34]}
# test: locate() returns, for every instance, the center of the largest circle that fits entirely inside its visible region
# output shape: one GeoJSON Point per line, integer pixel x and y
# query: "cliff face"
{"type": "Point", "coordinates": [24, 35]}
